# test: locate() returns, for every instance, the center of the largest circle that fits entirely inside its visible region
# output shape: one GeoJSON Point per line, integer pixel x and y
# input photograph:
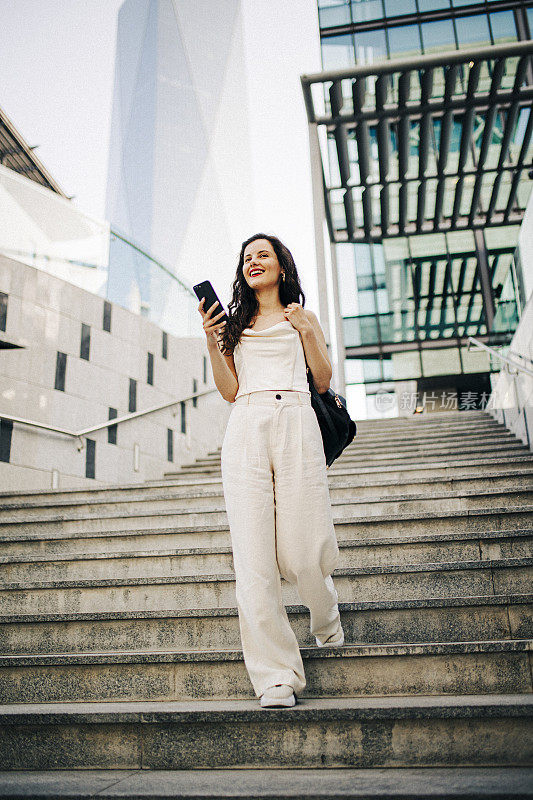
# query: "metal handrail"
{"type": "Point", "coordinates": [518, 367]}
{"type": "Point", "coordinates": [472, 340]}
{"type": "Point", "coordinates": [107, 423]}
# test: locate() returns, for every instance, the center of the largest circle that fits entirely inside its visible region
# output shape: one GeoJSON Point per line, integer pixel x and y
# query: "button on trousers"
{"type": "Point", "coordinates": [279, 512]}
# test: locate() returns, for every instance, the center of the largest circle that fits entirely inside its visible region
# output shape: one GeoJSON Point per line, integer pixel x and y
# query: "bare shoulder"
{"type": "Point", "coordinates": [311, 315]}
{"type": "Point", "coordinates": [313, 319]}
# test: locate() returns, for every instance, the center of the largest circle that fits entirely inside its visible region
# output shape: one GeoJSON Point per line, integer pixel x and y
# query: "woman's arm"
{"type": "Point", "coordinates": [223, 367]}
{"type": "Point", "coordinates": [316, 353]}
{"type": "Point", "coordinates": [224, 372]}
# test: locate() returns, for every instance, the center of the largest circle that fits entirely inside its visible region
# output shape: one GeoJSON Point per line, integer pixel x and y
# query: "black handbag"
{"type": "Point", "coordinates": [338, 429]}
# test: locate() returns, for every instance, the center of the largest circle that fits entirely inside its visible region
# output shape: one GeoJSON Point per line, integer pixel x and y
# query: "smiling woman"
{"type": "Point", "coordinates": [273, 465]}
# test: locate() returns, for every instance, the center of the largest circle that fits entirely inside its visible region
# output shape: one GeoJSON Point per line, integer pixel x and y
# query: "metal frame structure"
{"type": "Point", "coordinates": [18, 155]}
{"type": "Point", "coordinates": [392, 195]}
{"type": "Point", "coordinates": [393, 105]}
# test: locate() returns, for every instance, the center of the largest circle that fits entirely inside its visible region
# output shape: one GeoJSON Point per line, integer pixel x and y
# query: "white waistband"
{"type": "Point", "coordinates": [275, 397]}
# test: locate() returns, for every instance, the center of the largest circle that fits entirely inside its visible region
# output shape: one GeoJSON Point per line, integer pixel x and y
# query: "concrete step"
{"type": "Point", "coordinates": [434, 468]}
{"type": "Point", "coordinates": [404, 581]}
{"type": "Point", "coordinates": [15, 524]}
{"type": "Point", "coordinates": [406, 445]}
{"type": "Point", "coordinates": [487, 730]}
{"type": "Point", "coordinates": [468, 546]}
{"type": "Point", "coordinates": [437, 783]}
{"type": "Point", "coordinates": [478, 667]}
{"type": "Point", "coordinates": [451, 619]}
{"type": "Point", "coordinates": [395, 454]}
{"type": "Point", "coordinates": [55, 539]}
{"type": "Point", "coordinates": [347, 491]}
{"type": "Point", "coordinates": [457, 456]}
{"type": "Point", "coordinates": [502, 476]}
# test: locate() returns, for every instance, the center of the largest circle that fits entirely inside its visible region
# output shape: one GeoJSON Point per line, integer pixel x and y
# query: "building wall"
{"type": "Point", "coordinates": [44, 315]}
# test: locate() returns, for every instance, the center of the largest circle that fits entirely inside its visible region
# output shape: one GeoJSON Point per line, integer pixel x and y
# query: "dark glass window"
{"type": "Point", "coordinates": [132, 403]}
{"type": "Point", "coordinates": [433, 5]}
{"type": "Point", "coordinates": [503, 26]}
{"type": "Point", "coordinates": [164, 345]}
{"type": "Point", "coordinates": [370, 46]}
{"type": "Point", "coordinates": [107, 316]}
{"type": "Point", "coordinates": [194, 390]}
{"type": "Point", "coordinates": [6, 430]}
{"type": "Point", "coordinates": [90, 457]}
{"type": "Point", "coordinates": [438, 35]}
{"type": "Point", "coordinates": [85, 344]}
{"type": "Point", "coordinates": [363, 10]}
{"type": "Point", "coordinates": [112, 429]}
{"type": "Point", "coordinates": [170, 444]}
{"type": "Point", "coordinates": [205, 369]}
{"type": "Point", "coordinates": [3, 311]}
{"type": "Point", "coordinates": [472, 30]}
{"type": "Point", "coordinates": [404, 40]}
{"type": "Point", "coordinates": [337, 52]}
{"type": "Point", "coordinates": [150, 369]}
{"type": "Point", "coordinates": [397, 8]}
{"type": "Point", "coordinates": [61, 367]}
{"type": "Point", "coordinates": [530, 20]}
{"type": "Point", "coordinates": [183, 421]}
{"type": "Point", "coordinates": [335, 14]}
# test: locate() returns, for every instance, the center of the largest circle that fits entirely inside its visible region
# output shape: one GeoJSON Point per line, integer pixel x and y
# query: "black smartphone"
{"type": "Point", "coordinates": [206, 290]}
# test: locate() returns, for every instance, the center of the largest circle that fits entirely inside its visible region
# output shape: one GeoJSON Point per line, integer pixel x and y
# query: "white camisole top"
{"type": "Point", "coordinates": [270, 359]}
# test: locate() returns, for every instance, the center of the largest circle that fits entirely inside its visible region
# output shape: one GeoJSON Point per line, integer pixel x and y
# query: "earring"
{"type": "Point", "coordinates": [283, 276]}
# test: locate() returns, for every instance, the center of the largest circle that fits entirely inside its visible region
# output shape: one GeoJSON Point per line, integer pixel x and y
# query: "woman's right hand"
{"type": "Point", "coordinates": [211, 327]}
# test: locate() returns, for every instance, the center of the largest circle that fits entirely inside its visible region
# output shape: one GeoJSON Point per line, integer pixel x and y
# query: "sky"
{"type": "Point", "coordinates": [56, 86]}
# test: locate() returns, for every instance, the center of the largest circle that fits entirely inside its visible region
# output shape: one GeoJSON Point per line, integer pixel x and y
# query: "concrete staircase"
{"type": "Point", "coordinates": [120, 646]}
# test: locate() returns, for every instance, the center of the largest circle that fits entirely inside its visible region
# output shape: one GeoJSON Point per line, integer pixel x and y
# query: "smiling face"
{"type": "Point", "coordinates": [261, 266]}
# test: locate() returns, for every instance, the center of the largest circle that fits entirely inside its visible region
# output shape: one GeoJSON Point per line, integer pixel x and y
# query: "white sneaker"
{"type": "Point", "coordinates": [280, 695]}
{"type": "Point", "coordinates": [336, 641]}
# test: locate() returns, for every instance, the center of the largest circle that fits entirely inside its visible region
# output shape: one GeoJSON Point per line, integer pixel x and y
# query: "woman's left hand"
{"type": "Point", "coordinates": [297, 317]}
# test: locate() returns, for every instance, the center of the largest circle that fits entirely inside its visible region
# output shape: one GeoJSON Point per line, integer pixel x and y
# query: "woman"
{"type": "Point", "coordinates": [273, 464]}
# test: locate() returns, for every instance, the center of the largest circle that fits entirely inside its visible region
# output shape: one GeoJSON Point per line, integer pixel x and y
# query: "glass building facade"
{"type": "Point", "coordinates": [172, 129]}
{"type": "Point", "coordinates": [410, 290]}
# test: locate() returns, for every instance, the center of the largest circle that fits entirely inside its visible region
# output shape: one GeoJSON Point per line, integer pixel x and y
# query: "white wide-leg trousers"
{"type": "Point", "coordinates": [279, 511]}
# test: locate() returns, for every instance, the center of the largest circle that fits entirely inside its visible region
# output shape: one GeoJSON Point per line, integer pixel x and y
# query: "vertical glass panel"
{"type": "Point", "coordinates": [363, 10]}
{"type": "Point", "coordinates": [106, 324]}
{"type": "Point", "coordinates": [397, 8]}
{"type": "Point", "coordinates": [353, 370]}
{"type": "Point", "coordinates": [438, 35]}
{"type": "Point", "coordinates": [503, 26]}
{"type": "Point", "coordinates": [112, 429]}
{"type": "Point", "coordinates": [90, 457]}
{"type": "Point", "coordinates": [334, 14]}
{"type": "Point", "coordinates": [337, 52]}
{"type": "Point", "coordinates": [132, 395]}
{"type": "Point", "coordinates": [472, 30]}
{"type": "Point", "coordinates": [170, 444]}
{"type": "Point", "coordinates": [370, 46]}
{"type": "Point", "coordinates": [529, 12]}
{"type": "Point", "coordinates": [85, 343]}
{"type": "Point", "coordinates": [404, 40]}
{"type": "Point", "coordinates": [61, 366]}
{"type": "Point", "coordinates": [346, 277]}
{"type": "Point", "coordinates": [363, 263]}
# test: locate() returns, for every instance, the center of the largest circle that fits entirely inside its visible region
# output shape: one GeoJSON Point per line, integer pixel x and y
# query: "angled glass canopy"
{"type": "Point", "coordinates": [431, 144]}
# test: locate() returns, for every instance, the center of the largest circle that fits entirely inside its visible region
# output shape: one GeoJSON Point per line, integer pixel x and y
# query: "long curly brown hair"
{"type": "Point", "coordinates": [243, 305]}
